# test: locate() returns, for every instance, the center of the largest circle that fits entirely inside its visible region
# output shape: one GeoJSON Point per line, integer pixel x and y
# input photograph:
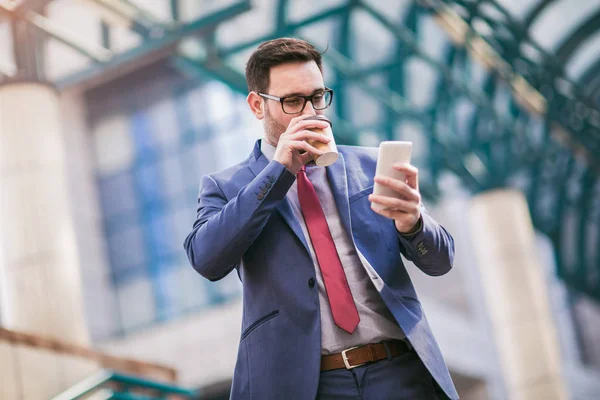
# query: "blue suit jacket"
{"type": "Point", "coordinates": [245, 222]}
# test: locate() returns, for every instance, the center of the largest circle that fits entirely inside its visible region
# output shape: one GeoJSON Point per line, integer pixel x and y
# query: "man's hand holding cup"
{"type": "Point", "coordinates": [293, 149]}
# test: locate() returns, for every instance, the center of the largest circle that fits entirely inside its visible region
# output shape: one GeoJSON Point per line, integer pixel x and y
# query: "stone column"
{"type": "Point", "coordinates": [40, 286]}
{"type": "Point", "coordinates": [516, 295]}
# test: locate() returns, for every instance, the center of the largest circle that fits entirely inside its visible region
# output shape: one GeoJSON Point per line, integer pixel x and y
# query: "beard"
{"type": "Point", "coordinates": [273, 128]}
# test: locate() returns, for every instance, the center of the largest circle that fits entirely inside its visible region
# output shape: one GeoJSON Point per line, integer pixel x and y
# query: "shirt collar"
{"type": "Point", "coordinates": [267, 149]}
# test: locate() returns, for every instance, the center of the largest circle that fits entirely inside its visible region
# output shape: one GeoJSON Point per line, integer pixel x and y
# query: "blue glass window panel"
{"type": "Point", "coordinates": [194, 288]}
{"type": "Point", "coordinates": [167, 282]}
{"type": "Point", "coordinates": [464, 112]}
{"type": "Point", "coordinates": [198, 160]}
{"type": "Point", "coordinates": [161, 239]}
{"type": "Point", "coordinates": [420, 81]}
{"type": "Point", "coordinates": [163, 116]}
{"type": "Point", "coordinates": [116, 194]}
{"type": "Point", "coordinates": [136, 303]}
{"type": "Point", "coordinates": [220, 100]}
{"type": "Point", "coordinates": [196, 104]}
{"type": "Point", "coordinates": [148, 182]}
{"type": "Point", "coordinates": [207, 132]}
{"type": "Point", "coordinates": [182, 109]}
{"type": "Point", "coordinates": [183, 220]}
{"type": "Point", "coordinates": [230, 287]}
{"type": "Point", "coordinates": [142, 132]}
{"type": "Point", "coordinates": [119, 222]}
{"type": "Point", "coordinates": [127, 253]}
{"type": "Point", "coordinates": [232, 149]}
{"type": "Point", "coordinates": [189, 163]}
{"type": "Point", "coordinates": [171, 170]}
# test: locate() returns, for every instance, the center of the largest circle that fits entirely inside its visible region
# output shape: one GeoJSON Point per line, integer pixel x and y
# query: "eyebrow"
{"type": "Point", "coordinates": [301, 94]}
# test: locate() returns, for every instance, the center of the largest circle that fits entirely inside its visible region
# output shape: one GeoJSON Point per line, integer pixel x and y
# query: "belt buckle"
{"type": "Point", "coordinates": [345, 358]}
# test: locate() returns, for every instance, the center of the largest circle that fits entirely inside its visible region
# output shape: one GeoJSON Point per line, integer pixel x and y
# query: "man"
{"type": "Point", "coordinates": [329, 311]}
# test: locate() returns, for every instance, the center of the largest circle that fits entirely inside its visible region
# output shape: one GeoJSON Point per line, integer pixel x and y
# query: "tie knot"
{"type": "Point", "coordinates": [303, 169]}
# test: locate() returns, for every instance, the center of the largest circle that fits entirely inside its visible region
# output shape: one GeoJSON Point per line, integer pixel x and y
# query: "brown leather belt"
{"type": "Point", "coordinates": [357, 356]}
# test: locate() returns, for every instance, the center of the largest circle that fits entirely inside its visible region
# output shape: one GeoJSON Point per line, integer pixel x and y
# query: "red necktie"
{"type": "Point", "coordinates": [340, 298]}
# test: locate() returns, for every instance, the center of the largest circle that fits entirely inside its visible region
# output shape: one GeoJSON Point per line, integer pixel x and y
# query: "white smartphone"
{"type": "Point", "coordinates": [390, 153]}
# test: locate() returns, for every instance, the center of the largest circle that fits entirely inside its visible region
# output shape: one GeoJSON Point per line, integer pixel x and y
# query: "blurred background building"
{"type": "Point", "coordinates": [112, 110]}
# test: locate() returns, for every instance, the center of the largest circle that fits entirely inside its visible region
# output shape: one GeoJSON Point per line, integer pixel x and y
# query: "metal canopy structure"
{"type": "Point", "coordinates": [495, 93]}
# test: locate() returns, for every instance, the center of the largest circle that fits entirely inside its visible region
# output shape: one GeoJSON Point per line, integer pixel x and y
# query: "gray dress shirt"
{"type": "Point", "coordinates": [376, 320]}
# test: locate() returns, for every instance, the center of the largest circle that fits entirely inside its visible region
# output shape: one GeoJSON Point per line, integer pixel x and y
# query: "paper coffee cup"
{"type": "Point", "coordinates": [330, 152]}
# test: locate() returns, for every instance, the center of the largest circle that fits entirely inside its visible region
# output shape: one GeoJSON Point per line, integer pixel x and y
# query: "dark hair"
{"type": "Point", "coordinates": [276, 52]}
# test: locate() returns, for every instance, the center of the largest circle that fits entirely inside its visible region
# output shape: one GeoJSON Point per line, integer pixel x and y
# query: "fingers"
{"type": "Point", "coordinates": [391, 214]}
{"type": "Point", "coordinates": [411, 172]}
{"type": "Point", "coordinates": [300, 146]}
{"type": "Point", "coordinates": [406, 191]}
{"type": "Point", "coordinates": [305, 158]}
{"type": "Point", "coordinates": [392, 204]}
{"type": "Point", "coordinates": [309, 135]}
{"type": "Point", "coordinates": [298, 124]}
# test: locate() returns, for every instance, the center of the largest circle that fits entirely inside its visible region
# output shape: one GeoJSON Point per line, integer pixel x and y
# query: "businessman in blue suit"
{"type": "Point", "coordinates": [329, 311]}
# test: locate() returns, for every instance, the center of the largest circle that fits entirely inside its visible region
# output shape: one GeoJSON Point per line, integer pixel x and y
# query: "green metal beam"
{"type": "Point", "coordinates": [583, 208]}
{"type": "Point", "coordinates": [561, 181]}
{"type": "Point", "coordinates": [590, 79]}
{"type": "Point", "coordinates": [69, 38]}
{"type": "Point", "coordinates": [85, 387]}
{"type": "Point", "coordinates": [140, 20]}
{"type": "Point", "coordinates": [215, 70]}
{"type": "Point", "coordinates": [536, 11]}
{"type": "Point", "coordinates": [386, 97]}
{"type": "Point", "coordinates": [397, 74]}
{"type": "Point", "coordinates": [341, 80]}
{"type": "Point", "coordinates": [155, 46]}
{"type": "Point", "coordinates": [596, 261]}
{"type": "Point", "coordinates": [571, 43]}
{"type": "Point", "coordinates": [163, 388]}
{"type": "Point", "coordinates": [291, 28]}
{"type": "Point", "coordinates": [175, 10]}
{"type": "Point", "coordinates": [106, 35]}
{"type": "Point", "coordinates": [281, 15]}
{"type": "Point", "coordinates": [101, 380]}
{"type": "Point", "coordinates": [553, 71]}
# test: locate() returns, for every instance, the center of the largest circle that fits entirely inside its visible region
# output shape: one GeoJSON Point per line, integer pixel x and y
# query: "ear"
{"type": "Point", "coordinates": [256, 104]}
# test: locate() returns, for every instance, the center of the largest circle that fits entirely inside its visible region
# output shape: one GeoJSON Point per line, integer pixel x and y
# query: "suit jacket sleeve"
{"type": "Point", "coordinates": [225, 228]}
{"type": "Point", "coordinates": [431, 249]}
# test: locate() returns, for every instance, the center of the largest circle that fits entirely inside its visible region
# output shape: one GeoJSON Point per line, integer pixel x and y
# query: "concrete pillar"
{"type": "Point", "coordinates": [516, 295]}
{"type": "Point", "coordinates": [41, 288]}
{"type": "Point", "coordinates": [40, 285]}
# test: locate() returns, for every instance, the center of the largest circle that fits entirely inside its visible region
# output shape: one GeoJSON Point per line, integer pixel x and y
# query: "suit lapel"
{"type": "Point", "coordinates": [336, 173]}
{"type": "Point", "coordinates": [257, 163]}
{"type": "Point", "coordinates": [285, 209]}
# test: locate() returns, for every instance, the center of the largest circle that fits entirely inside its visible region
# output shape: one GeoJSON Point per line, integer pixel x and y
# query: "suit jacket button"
{"type": "Point", "coordinates": [271, 179]}
{"type": "Point", "coordinates": [260, 196]}
{"type": "Point", "coordinates": [268, 185]}
{"type": "Point", "coordinates": [422, 248]}
{"type": "Point", "coordinates": [311, 283]}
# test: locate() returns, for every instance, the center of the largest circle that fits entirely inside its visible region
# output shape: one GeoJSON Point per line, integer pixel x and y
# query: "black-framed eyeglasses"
{"type": "Point", "coordinates": [295, 104]}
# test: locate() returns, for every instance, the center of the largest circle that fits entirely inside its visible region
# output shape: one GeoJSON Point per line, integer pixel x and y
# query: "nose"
{"type": "Point", "coordinates": [309, 109]}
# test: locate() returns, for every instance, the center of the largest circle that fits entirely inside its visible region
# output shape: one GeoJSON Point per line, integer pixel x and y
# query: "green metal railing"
{"type": "Point", "coordinates": [110, 385]}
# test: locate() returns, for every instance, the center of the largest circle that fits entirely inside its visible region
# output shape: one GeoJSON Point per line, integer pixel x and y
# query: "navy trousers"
{"type": "Point", "coordinates": [399, 378]}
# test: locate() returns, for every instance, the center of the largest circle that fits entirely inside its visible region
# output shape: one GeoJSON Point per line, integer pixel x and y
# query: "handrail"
{"type": "Point", "coordinates": [99, 380]}
{"type": "Point", "coordinates": [103, 359]}
{"type": "Point", "coordinates": [84, 387]}
{"type": "Point", "coordinates": [147, 384]}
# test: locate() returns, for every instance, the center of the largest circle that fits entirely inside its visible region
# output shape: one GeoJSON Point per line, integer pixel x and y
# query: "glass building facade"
{"type": "Point", "coordinates": [152, 146]}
